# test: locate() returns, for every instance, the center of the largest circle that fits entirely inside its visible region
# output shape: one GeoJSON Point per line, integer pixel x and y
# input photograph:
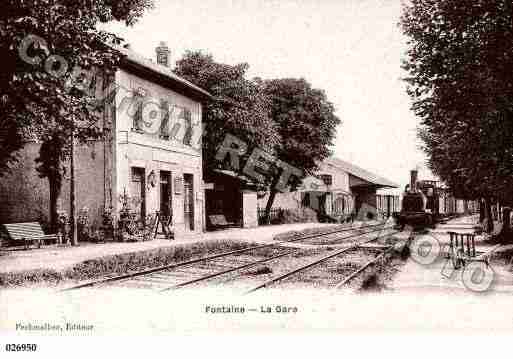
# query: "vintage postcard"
{"type": "Point", "coordinates": [174, 167]}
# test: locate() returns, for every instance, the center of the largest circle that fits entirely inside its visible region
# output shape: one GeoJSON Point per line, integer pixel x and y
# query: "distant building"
{"type": "Point", "coordinates": [340, 189]}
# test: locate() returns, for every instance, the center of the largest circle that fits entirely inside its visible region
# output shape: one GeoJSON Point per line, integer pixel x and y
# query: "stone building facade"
{"type": "Point", "coordinates": [158, 167]}
{"type": "Point", "coordinates": [161, 166]}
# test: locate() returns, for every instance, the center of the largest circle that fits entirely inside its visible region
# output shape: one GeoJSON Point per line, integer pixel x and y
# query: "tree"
{"type": "Point", "coordinates": [306, 123]}
{"type": "Point", "coordinates": [63, 46]}
{"type": "Point", "coordinates": [238, 107]}
{"type": "Point", "coordinates": [459, 64]}
{"type": "Point", "coordinates": [50, 165]}
{"type": "Point", "coordinates": [287, 119]}
{"type": "Point", "coordinates": [31, 98]}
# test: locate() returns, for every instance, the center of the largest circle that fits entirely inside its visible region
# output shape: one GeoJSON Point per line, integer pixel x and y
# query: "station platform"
{"type": "Point", "coordinates": [59, 258]}
{"type": "Point", "coordinates": [440, 275]}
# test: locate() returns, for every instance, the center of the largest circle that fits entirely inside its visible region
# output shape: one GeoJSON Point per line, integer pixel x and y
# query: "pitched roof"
{"type": "Point", "coordinates": [360, 173]}
{"type": "Point", "coordinates": [136, 61]}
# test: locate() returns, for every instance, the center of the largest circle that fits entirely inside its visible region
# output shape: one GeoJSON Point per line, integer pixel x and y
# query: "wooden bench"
{"type": "Point", "coordinates": [28, 232]}
{"type": "Point", "coordinates": [219, 221]}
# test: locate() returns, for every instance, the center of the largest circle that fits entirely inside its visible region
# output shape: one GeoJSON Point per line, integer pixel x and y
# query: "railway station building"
{"type": "Point", "coordinates": [157, 169]}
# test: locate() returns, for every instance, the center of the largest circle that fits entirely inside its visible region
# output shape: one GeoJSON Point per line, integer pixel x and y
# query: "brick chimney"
{"type": "Point", "coordinates": [163, 54]}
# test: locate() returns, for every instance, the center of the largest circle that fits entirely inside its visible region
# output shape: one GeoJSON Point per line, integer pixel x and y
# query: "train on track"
{"type": "Point", "coordinates": [425, 203]}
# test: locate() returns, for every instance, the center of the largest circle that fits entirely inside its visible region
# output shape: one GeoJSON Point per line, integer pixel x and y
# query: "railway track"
{"type": "Point", "coordinates": [281, 277]}
{"type": "Point", "coordinates": [354, 274]}
{"type": "Point", "coordinates": [178, 275]}
{"type": "Point", "coordinates": [355, 235]}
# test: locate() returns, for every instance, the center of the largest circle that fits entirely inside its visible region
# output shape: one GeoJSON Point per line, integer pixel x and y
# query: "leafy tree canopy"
{"type": "Point", "coordinates": [238, 107]}
{"type": "Point", "coordinates": [459, 63]}
{"type": "Point", "coordinates": [305, 120]}
{"type": "Point", "coordinates": [35, 104]}
{"type": "Point", "coordinates": [286, 118]}
{"type": "Point", "coordinates": [307, 124]}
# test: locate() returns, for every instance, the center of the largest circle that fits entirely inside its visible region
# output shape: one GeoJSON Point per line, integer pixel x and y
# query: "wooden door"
{"type": "Point", "coordinates": [138, 192]}
{"type": "Point", "coordinates": [166, 200]}
{"type": "Point", "coordinates": [188, 196]}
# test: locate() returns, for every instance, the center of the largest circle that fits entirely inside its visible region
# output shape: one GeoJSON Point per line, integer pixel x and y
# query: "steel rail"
{"type": "Point", "coordinates": [213, 275]}
{"type": "Point", "coordinates": [361, 269]}
{"type": "Point", "coordinates": [163, 268]}
{"type": "Point", "coordinates": [308, 236]}
{"type": "Point", "coordinates": [196, 260]}
{"type": "Point", "coordinates": [312, 264]}
{"type": "Point", "coordinates": [448, 229]}
{"type": "Point", "coordinates": [337, 240]}
{"type": "Point", "coordinates": [239, 268]}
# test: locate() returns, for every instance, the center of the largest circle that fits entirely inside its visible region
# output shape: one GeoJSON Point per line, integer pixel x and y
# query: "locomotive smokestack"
{"type": "Point", "coordinates": [413, 180]}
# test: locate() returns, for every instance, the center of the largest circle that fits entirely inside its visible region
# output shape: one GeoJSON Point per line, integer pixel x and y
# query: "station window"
{"type": "Point", "coordinates": [187, 138]}
{"type": "Point", "coordinates": [164, 126]}
{"type": "Point", "coordinates": [181, 125]}
{"type": "Point", "coordinates": [138, 103]}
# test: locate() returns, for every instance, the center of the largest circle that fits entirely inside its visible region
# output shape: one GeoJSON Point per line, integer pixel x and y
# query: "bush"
{"type": "Point", "coordinates": [121, 263]}
{"type": "Point", "coordinates": [13, 279]}
{"type": "Point", "coordinates": [298, 215]}
{"type": "Point", "coordinates": [371, 283]}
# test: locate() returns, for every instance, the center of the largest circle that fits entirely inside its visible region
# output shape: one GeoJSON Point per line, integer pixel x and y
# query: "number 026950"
{"type": "Point", "coordinates": [20, 347]}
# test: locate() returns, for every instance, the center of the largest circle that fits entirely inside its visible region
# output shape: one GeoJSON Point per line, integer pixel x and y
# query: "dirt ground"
{"type": "Point", "coordinates": [440, 276]}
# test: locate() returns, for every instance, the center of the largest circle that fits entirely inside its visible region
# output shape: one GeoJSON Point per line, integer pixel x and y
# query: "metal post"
{"type": "Point", "coordinates": [72, 217]}
{"type": "Point", "coordinates": [473, 246]}
{"type": "Point", "coordinates": [468, 245]}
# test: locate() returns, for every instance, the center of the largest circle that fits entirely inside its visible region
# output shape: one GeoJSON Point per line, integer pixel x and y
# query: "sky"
{"type": "Point", "coordinates": [352, 49]}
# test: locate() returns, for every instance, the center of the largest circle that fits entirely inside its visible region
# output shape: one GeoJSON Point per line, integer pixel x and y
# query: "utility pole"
{"type": "Point", "coordinates": [73, 223]}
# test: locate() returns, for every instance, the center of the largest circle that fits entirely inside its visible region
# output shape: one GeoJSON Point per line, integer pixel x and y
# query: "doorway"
{"type": "Point", "coordinates": [188, 180]}
{"type": "Point", "coordinates": [138, 192]}
{"type": "Point", "coordinates": [166, 200]}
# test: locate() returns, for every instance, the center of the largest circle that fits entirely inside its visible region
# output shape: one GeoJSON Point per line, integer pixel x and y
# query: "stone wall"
{"type": "Point", "coordinates": [24, 197]}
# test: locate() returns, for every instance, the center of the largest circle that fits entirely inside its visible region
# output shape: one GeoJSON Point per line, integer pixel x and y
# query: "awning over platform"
{"type": "Point", "coordinates": [231, 176]}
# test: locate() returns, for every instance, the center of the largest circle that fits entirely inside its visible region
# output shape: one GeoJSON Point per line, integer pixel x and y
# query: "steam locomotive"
{"type": "Point", "coordinates": [425, 204]}
{"type": "Point", "coordinates": [420, 204]}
